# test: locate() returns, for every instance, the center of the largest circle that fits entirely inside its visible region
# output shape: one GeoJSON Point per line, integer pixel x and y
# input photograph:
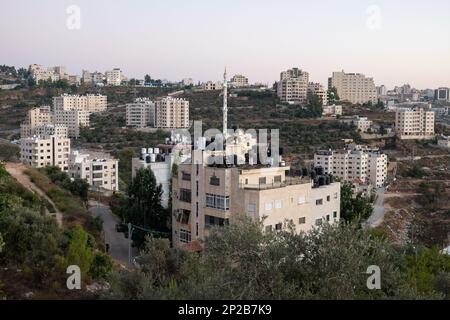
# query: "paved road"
{"type": "Point", "coordinates": [118, 244]}
{"type": "Point", "coordinates": [378, 209]}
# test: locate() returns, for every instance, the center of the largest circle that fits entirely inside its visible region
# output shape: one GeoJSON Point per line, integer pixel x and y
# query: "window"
{"type": "Point", "coordinates": [262, 180]}
{"type": "Point", "coordinates": [277, 179]}
{"type": "Point", "coordinates": [269, 228]}
{"type": "Point", "coordinates": [335, 195]}
{"type": "Point", "coordinates": [318, 222]}
{"type": "Point", "coordinates": [251, 208]}
{"type": "Point", "coordinates": [278, 226]}
{"type": "Point", "coordinates": [269, 206]}
{"type": "Point", "coordinates": [334, 214]}
{"type": "Point", "coordinates": [185, 195]}
{"type": "Point", "coordinates": [328, 217]}
{"type": "Point", "coordinates": [185, 236]}
{"type": "Point", "coordinates": [278, 204]}
{"type": "Point", "coordinates": [184, 216]}
{"type": "Point", "coordinates": [186, 176]}
{"type": "Point", "coordinates": [302, 220]}
{"type": "Point", "coordinates": [319, 202]}
{"type": "Point", "coordinates": [328, 198]}
{"type": "Point", "coordinates": [214, 181]}
{"type": "Point", "coordinates": [217, 201]}
{"type": "Point", "coordinates": [211, 221]}
{"type": "Point", "coordinates": [301, 200]}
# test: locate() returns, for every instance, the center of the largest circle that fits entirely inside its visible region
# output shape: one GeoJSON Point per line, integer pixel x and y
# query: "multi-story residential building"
{"type": "Point", "coordinates": [114, 77]}
{"type": "Point", "coordinates": [239, 81]}
{"type": "Point", "coordinates": [100, 171]}
{"type": "Point", "coordinates": [36, 117]}
{"type": "Point", "coordinates": [415, 123]}
{"type": "Point", "coordinates": [442, 94]}
{"type": "Point", "coordinates": [172, 113]}
{"type": "Point", "coordinates": [207, 195]}
{"type": "Point", "coordinates": [381, 91]}
{"type": "Point", "coordinates": [356, 164]}
{"type": "Point", "coordinates": [44, 130]}
{"type": "Point", "coordinates": [86, 76]}
{"type": "Point", "coordinates": [318, 90]}
{"type": "Point", "coordinates": [74, 120]}
{"type": "Point", "coordinates": [293, 86]}
{"type": "Point", "coordinates": [209, 85]}
{"type": "Point", "coordinates": [333, 110]}
{"type": "Point", "coordinates": [362, 124]}
{"type": "Point", "coordinates": [42, 151]}
{"type": "Point", "coordinates": [161, 160]}
{"type": "Point", "coordinates": [187, 82]}
{"type": "Point", "coordinates": [141, 113]}
{"type": "Point", "coordinates": [353, 87]}
{"type": "Point", "coordinates": [39, 73]}
{"type": "Point", "coordinates": [89, 102]}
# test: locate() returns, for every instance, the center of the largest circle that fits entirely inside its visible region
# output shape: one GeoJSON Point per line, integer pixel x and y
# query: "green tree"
{"type": "Point", "coordinates": [354, 207]}
{"type": "Point", "coordinates": [147, 78]}
{"type": "Point", "coordinates": [2, 243]}
{"type": "Point", "coordinates": [332, 95]}
{"type": "Point", "coordinates": [101, 266]}
{"type": "Point", "coordinates": [240, 261]}
{"type": "Point", "coordinates": [80, 249]}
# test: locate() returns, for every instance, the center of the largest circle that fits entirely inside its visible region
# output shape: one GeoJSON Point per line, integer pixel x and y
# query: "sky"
{"type": "Point", "coordinates": [395, 42]}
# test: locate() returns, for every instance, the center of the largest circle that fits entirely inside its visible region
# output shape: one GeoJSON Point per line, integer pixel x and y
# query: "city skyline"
{"type": "Point", "coordinates": [393, 43]}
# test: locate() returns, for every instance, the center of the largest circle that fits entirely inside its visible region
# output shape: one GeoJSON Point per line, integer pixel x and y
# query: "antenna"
{"type": "Point", "coordinates": [225, 105]}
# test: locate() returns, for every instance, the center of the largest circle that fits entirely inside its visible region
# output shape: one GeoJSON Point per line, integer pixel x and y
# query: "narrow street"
{"type": "Point", "coordinates": [118, 244]}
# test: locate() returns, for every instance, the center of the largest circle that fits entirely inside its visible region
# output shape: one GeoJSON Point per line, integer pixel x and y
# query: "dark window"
{"type": "Point", "coordinates": [277, 179]}
{"type": "Point", "coordinates": [262, 180]}
{"type": "Point", "coordinates": [214, 181]}
{"type": "Point", "coordinates": [302, 220]}
{"type": "Point", "coordinates": [185, 195]}
{"type": "Point", "coordinates": [186, 176]}
{"type": "Point", "coordinates": [278, 226]}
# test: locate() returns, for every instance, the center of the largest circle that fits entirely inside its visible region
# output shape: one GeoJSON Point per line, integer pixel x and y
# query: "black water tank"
{"type": "Point", "coordinates": [319, 171]}
{"type": "Point", "coordinates": [304, 172]}
{"type": "Point", "coordinates": [147, 159]}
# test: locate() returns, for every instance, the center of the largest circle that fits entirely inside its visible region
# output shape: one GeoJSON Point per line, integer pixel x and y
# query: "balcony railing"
{"type": "Point", "coordinates": [274, 185]}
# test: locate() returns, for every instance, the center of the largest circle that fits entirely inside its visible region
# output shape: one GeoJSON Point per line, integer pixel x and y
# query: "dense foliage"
{"type": "Point", "coordinates": [242, 262]}
{"type": "Point", "coordinates": [354, 207]}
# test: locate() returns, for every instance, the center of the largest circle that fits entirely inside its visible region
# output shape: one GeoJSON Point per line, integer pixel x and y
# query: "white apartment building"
{"type": "Point", "coordinates": [161, 160]}
{"type": "Point", "coordinates": [319, 90]}
{"type": "Point", "coordinates": [187, 82]}
{"type": "Point", "coordinates": [239, 81]}
{"type": "Point", "coordinates": [293, 86]}
{"type": "Point", "coordinates": [209, 85]}
{"type": "Point", "coordinates": [353, 87]}
{"type": "Point", "coordinates": [333, 110]}
{"type": "Point", "coordinates": [100, 171]}
{"type": "Point", "coordinates": [42, 151]}
{"type": "Point", "coordinates": [89, 102]}
{"type": "Point", "coordinates": [172, 113]}
{"type": "Point", "coordinates": [356, 164]}
{"type": "Point", "coordinates": [114, 77]}
{"type": "Point", "coordinates": [141, 113]}
{"type": "Point", "coordinates": [362, 124]}
{"type": "Point", "coordinates": [416, 123]}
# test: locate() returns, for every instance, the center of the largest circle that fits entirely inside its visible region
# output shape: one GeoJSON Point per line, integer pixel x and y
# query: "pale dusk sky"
{"type": "Point", "coordinates": [395, 42]}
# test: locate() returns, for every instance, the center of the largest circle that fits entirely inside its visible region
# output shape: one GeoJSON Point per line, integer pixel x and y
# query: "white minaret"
{"type": "Point", "coordinates": [225, 106]}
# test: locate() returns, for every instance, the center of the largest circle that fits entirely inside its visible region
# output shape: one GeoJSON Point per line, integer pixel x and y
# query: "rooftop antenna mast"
{"type": "Point", "coordinates": [225, 106]}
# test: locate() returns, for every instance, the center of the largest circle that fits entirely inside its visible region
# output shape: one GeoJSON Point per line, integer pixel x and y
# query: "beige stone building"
{"type": "Point", "coordinates": [114, 77]}
{"type": "Point", "coordinates": [293, 86]}
{"type": "Point", "coordinates": [140, 113]}
{"type": "Point", "coordinates": [42, 151]}
{"type": "Point", "coordinates": [209, 85]}
{"type": "Point", "coordinates": [44, 130]}
{"type": "Point", "coordinates": [239, 81]}
{"type": "Point", "coordinates": [74, 120]}
{"type": "Point", "coordinates": [353, 87]}
{"type": "Point", "coordinates": [333, 110]}
{"type": "Point", "coordinates": [362, 124]}
{"type": "Point", "coordinates": [89, 102]}
{"type": "Point", "coordinates": [356, 164]}
{"type": "Point", "coordinates": [36, 117]}
{"type": "Point", "coordinates": [319, 90]}
{"type": "Point", "coordinates": [99, 170]}
{"type": "Point", "coordinates": [415, 123]}
{"type": "Point", "coordinates": [172, 113]}
{"type": "Point", "coordinates": [207, 196]}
